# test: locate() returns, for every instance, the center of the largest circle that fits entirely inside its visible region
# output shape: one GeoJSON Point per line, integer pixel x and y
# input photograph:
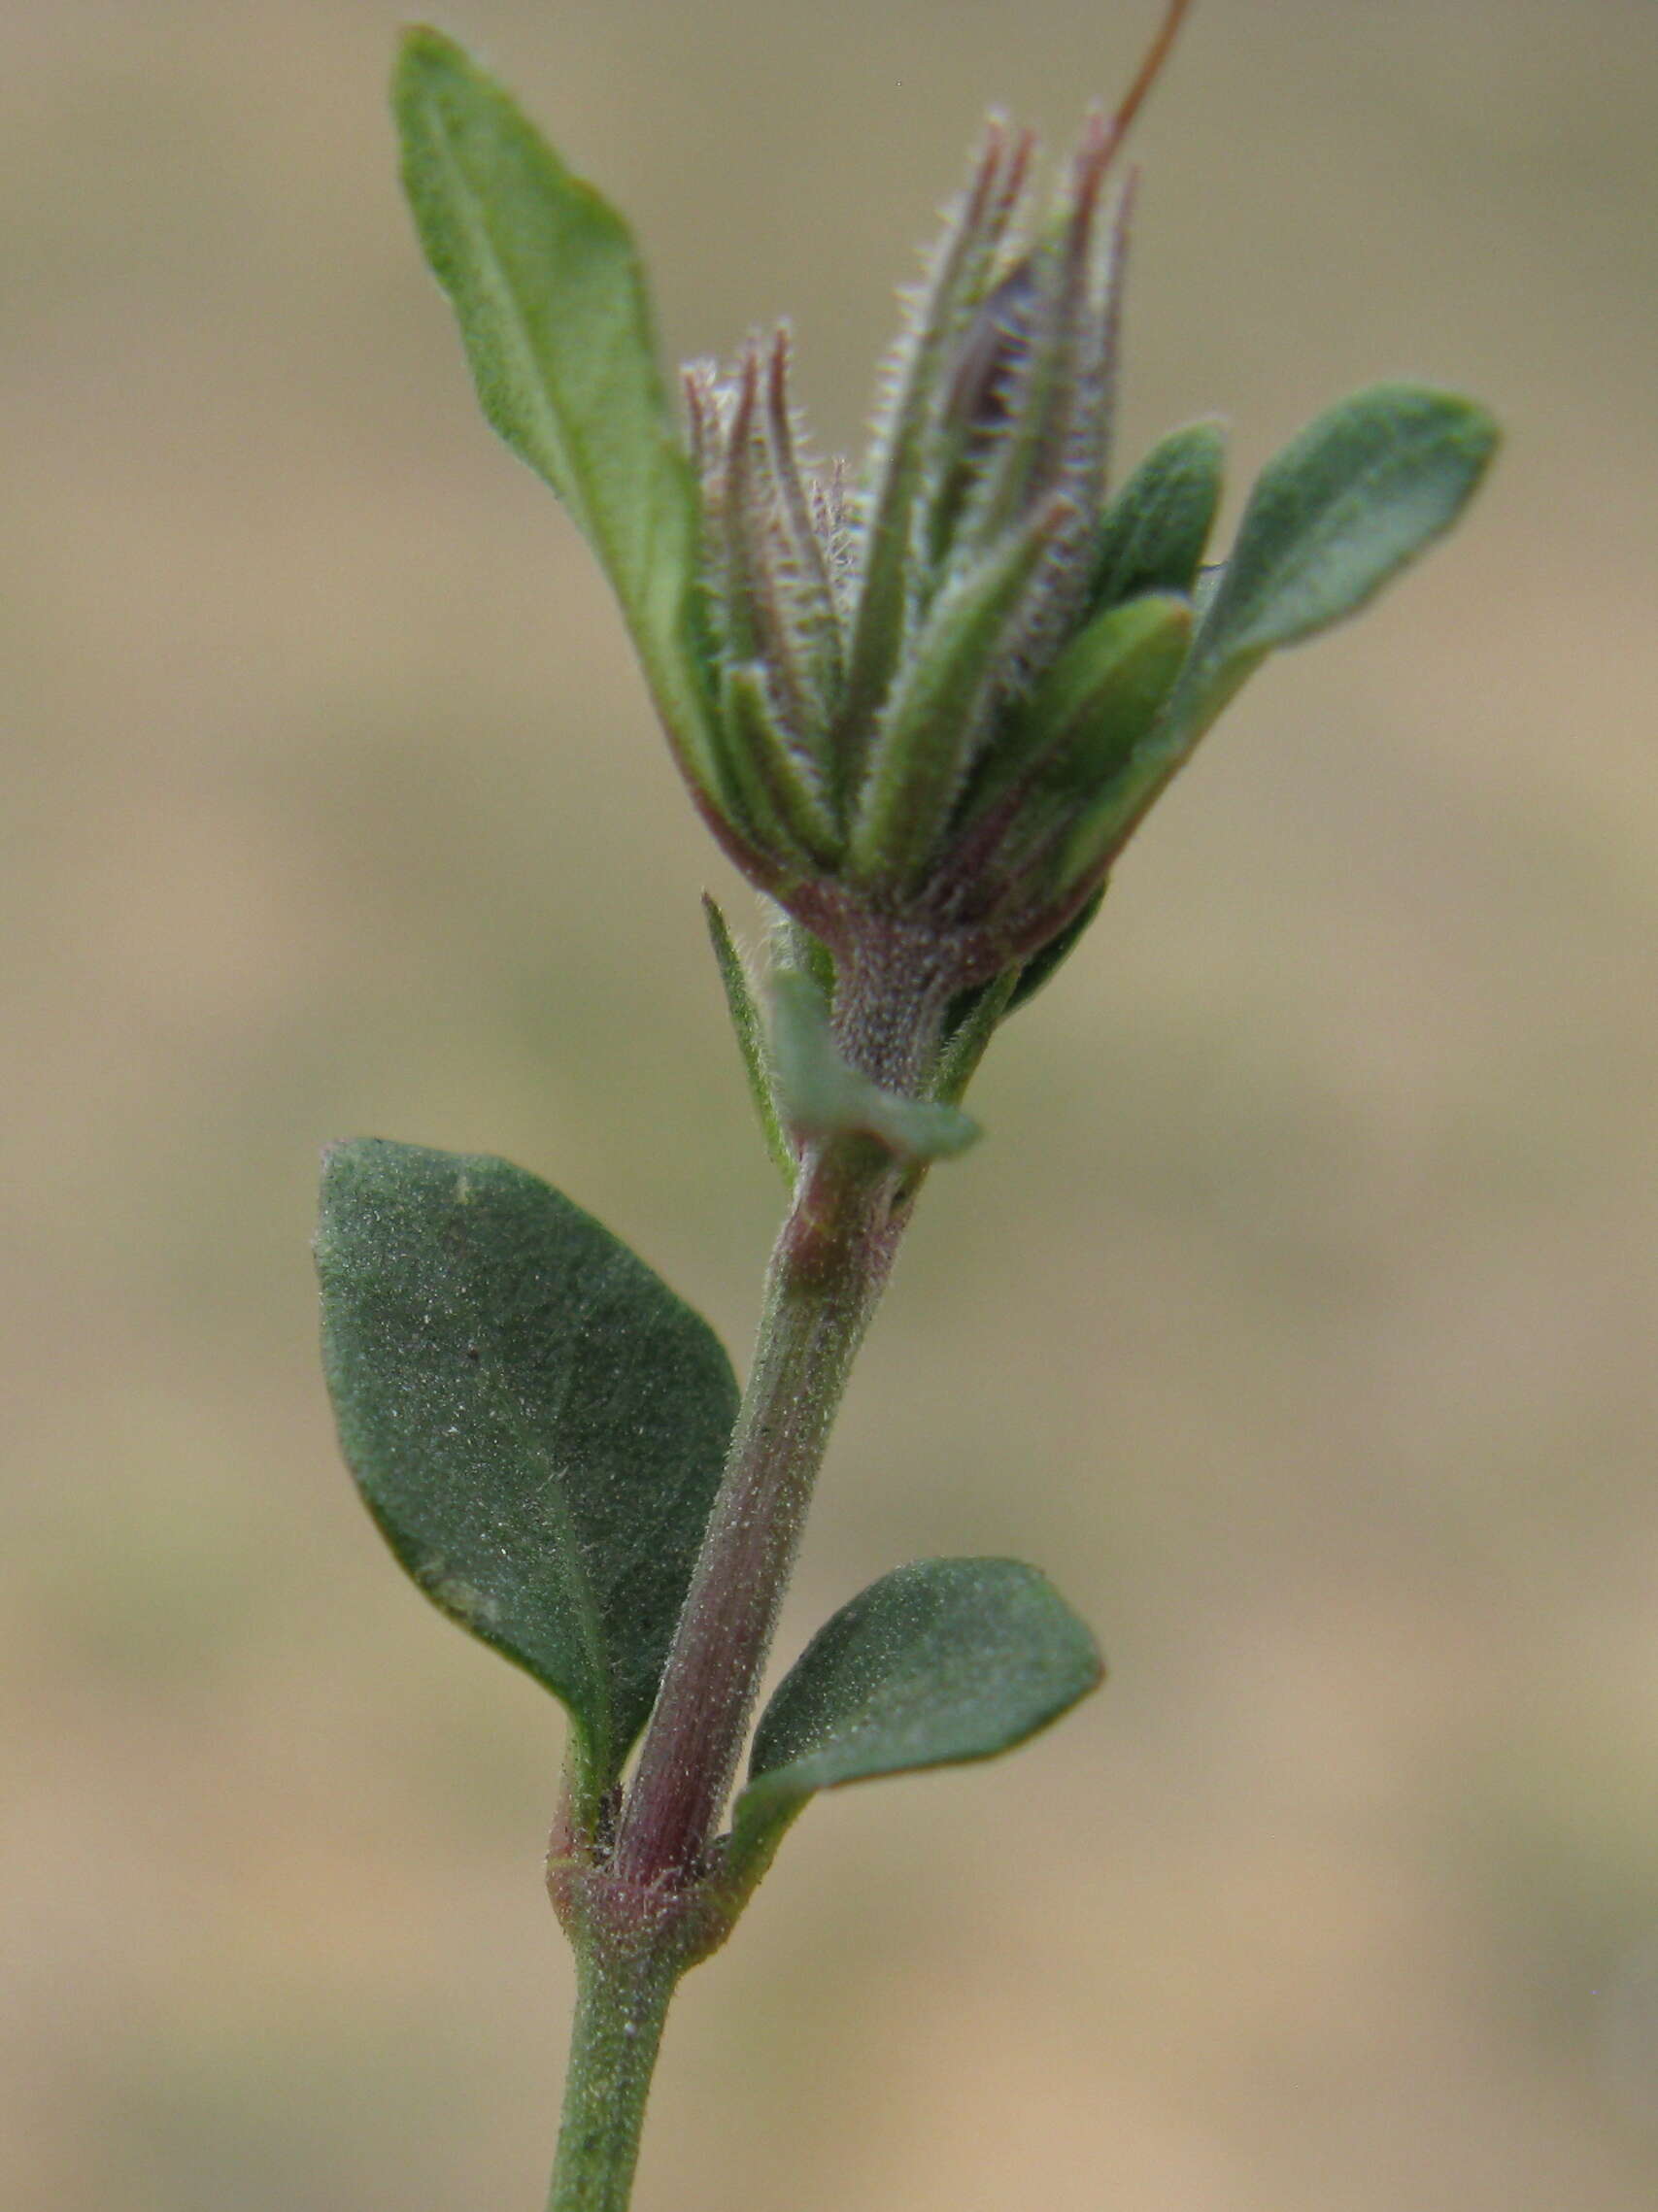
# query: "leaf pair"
{"type": "Point", "coordinates": [538, 1425]}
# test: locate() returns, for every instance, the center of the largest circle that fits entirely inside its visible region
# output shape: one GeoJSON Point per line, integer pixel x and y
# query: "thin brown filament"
{"type": "Point", "coordinates": [1150, 69]}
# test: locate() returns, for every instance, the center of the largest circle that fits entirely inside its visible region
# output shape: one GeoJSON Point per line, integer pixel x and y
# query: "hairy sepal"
{"type": "Point", "coordinates": [957, 676]}
{"type": "Point", "coordinates": [961, 269]}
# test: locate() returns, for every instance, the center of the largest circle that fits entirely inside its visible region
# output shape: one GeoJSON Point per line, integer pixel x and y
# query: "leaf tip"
{"type": "Point", "coordinates": [1481, 434]}
{"type": "Point", "coordinates": [422, 52]}
{"type": "Point", "coordinates": [339, 1157]}
{"type": "Point", "coordinates": [1456, 409]}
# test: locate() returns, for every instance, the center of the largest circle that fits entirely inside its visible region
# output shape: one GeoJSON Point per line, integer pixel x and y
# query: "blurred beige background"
{"type": "Point", "coordinates": [1298, 1314]}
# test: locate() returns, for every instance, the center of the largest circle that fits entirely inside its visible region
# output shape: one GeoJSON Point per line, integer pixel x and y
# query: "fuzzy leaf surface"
{"type": "Point", "coordinates": [548, 288]}
{"type": "Point", "coordinates": [935, 1664]}
{"type": "Point", "coordinates": [1343, 508]}
{"type": "Point", "coordinates": [535, 1421]}
{"type": "Point", "coordinates": [1154, 531]}
{"type": "Point", "coordinates": [1358, 496]}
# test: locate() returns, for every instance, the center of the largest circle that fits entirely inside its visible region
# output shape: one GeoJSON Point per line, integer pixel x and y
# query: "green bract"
{"type": "Point", "coordinates": [749, 1031]}
{"type": "Point", "coordinates": [821, 1098]}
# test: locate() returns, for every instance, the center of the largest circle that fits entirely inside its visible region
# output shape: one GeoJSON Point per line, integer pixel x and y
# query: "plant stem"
{"type": "Point", "coordinates": [825, 1275]}
{"type": "Point", "coordinates": [638, 1912]}
{"type": "Point", "coordinates": [622, 1998]}
{"type": "Point", "coordinates": [827, 1270]}
{"type": "Point", "coordinates": [829, 1267]}
{"type": "Point", "coordinates": [631, 1916]}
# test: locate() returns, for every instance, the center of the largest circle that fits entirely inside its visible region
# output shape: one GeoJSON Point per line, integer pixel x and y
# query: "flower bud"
{"type": "Point", "coordinates": [874, 652]}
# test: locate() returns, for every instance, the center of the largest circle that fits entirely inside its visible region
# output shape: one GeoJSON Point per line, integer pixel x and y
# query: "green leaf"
{"type": "Point", "coordinates": [751, 1037]}
{"type": "Point", "coordinates": [536, 1423]}
{"type": "Point", "coordinates": [1342, 508]}
{"type": "Point", "coordinates": [554, 315]}
{"type": "Point", "coordinates": [938, 1663]}
{"type": "Point", "coordinates": [1154, 531]}
{"type": "Point", "coordinates": [821, 1097]}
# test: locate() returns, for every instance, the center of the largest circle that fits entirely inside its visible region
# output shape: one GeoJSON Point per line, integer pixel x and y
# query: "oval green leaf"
{"type": "Point", "coordinates": [1359, 494]}
{"type": "Point", "coordinates": [534, 1419]}
{"type": "Point", "coordinates": [933, 1665]}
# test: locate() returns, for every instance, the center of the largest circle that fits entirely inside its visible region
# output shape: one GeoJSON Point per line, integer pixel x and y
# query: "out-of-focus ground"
{"type": "Point", "coordinates": [1298, 1312]}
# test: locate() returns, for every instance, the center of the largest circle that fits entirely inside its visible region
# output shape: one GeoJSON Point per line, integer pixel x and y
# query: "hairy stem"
{"type": "Point", "coordinates": [639, 1911]}
{"type": "Point", "coordinates": [829, 1268]}
{"type": "Point", "coordinates": [622, 1998]}
{"type": "Point", "coordinates": [829, 1265]}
